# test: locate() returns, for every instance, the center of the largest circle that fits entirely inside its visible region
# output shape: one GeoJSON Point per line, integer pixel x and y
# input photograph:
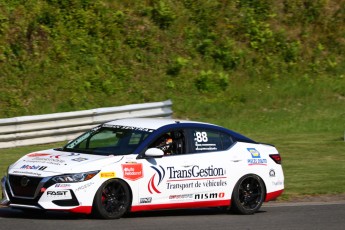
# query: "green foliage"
{"type": "Point", "coordinates": [66, 55]}
{"type": "Point", "coordinates": [208, 81]}
{"type": "Point", "coordinates": [306, 11]}
{"type": "Point", "coordinates": [261, 9]}
{"type": "Point", "coordinates": [204, 13]}
{"type": "Point", "coordinates": [162, 13]}
{"type": "Point", "coordinates": [175, 68]}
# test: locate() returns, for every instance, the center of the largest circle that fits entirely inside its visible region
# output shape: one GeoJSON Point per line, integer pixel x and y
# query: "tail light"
{"type": "Point", "coordinates": [276, 158]}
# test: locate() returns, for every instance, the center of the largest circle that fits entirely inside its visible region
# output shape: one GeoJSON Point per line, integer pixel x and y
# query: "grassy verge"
{"type": "Point", "coordinates": [313, 162]}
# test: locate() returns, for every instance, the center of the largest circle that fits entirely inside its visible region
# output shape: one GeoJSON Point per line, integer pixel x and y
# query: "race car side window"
{"type": "Point", "coordinates": [227, 141]}
{"type": "Point", "coordinates": [205, 140]}
{"type": "Point", "coordinates": [172, 143]}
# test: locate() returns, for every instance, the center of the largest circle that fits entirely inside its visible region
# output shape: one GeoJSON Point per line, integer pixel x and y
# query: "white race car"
{"type": "Point", "coordinates": [139, 164]}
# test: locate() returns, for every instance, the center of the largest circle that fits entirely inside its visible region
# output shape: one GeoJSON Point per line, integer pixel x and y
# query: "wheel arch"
{"type": "Point", "coordinates": [234, 202]}
{"type": "Point", "coordinates": [248, 174]}
{"type": "Point", "coordinates": [117, 179]}
{"type": "Point", "coordinates": [130, 191]}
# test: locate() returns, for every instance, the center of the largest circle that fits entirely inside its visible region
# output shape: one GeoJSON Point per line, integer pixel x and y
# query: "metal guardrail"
{"type": "Point", "coordinates": [56, 127]}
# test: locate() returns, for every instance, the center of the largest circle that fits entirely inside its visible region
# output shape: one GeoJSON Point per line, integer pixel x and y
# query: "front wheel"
{"type": "Point", "coordinates": [248, 195]}
{"type": "Point", "coordinates": [112, 200]}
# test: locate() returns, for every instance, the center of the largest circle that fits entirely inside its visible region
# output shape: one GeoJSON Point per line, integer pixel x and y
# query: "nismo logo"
{"type": "Point", "coordinates": [205, 196]}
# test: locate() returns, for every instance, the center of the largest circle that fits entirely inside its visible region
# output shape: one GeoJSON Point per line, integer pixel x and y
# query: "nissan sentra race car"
{"type": "Point", "coordinates": [141, 164]}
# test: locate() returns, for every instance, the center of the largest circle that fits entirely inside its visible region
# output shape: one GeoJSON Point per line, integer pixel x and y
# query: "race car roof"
{"type": "Point", "coordinates": [157, 123]}
{"type": "Point", "coordinates": [148, 123]}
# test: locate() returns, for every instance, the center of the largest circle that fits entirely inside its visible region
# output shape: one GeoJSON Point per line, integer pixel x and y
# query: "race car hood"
{"type": "Point", "coordinates": [53, 162]}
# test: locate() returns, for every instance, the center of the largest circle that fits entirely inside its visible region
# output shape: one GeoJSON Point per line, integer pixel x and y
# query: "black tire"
{"type": "Point", "coordinates": [248, 195]}
{"type": "Point", "coordinates": [112, 200]}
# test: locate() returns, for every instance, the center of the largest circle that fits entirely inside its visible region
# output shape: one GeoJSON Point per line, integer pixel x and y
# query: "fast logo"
{"type": "Point", "coordinates": [61, 194]}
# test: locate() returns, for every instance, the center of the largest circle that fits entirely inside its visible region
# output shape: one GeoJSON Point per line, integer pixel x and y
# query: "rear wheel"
{"type": "Point", "coordinates": [248, 195]}
{"type": "Point", "coordinates": [112, 200]}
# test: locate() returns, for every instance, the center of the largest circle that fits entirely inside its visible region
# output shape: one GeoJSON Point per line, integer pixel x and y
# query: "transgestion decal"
{"type": "Point", "coordinates": [193, 177]}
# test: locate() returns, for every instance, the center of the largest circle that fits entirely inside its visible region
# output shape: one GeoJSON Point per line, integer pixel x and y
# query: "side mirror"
{"type": "Point", "coordinates": [154, 152]}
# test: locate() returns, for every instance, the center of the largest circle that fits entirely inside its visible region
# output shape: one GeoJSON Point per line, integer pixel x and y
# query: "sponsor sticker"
{"type": "Point", "coordinates": [277, 183]}
{"type": "Point", "coordinates": [55, 156]}
{"type": "Point", "coordinates": [27, 173]}
{"type": "Point", "coordinates": [272, 173]}
{"type": "Point", "coordinates": [36, 167]}
{"type": "Point", "coordinates": [257, 162]}
{"type": "Point", "coordinates": [255, 153]}
{"type": "Point", "coordinates": [256, 158]}
{"type": "Point", "coordinates": [38, 154]}
{"type": "Point", "coordinates": [206, 196]}
{"type": "Point", "coordinates": [62, 185]}
{"type": "Point", "coordinates": [186, 178]}
{"type": "Point", "coordinates": [107, 174]}
{"type": "Point", "coordinates": [128, 127]}
{"type": "Point", "coordinates": [73, 154]}
{"type": "Point", "coordinates": [181, 197]}
{"type": "Point", "coordinates": [41, 160]}
{"type": "Point", "coordinates": [201, 142]}
{"type": "Point", "coordinates": [132, 171]}
{"type": "Point", "coordinates": [59, 194]}
{"type": "Point", "coordinates": [80, 159]}
{"type": "Point", "coordinates": [85, 186]}
{"type": "Point", "coordinates": [146, 200]}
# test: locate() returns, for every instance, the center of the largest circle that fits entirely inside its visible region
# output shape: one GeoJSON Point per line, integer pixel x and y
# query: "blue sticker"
{"type": "Point", "coordinates": [255, 153]}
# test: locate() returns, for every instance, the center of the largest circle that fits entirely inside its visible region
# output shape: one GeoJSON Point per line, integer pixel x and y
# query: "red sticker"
{"type": "Point", "coordinates": [132, 171]}
{"type": "Point", "coordinates": [38, 154]}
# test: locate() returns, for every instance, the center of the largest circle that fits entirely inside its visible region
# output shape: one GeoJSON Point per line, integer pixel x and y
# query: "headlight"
{"type": "Point", "coordinates": [76, 177]}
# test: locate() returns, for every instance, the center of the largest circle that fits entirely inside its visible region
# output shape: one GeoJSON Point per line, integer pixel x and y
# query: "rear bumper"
{"type": "Point", "coordinates": [273, 195]}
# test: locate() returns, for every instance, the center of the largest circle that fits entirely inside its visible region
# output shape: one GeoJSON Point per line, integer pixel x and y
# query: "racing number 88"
{"type": "Point", "coordinates": [201, 137]}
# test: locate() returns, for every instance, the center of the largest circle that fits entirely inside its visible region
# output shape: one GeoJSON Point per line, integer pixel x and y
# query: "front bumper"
{"type": "Point", "coordinates": [42, 194]}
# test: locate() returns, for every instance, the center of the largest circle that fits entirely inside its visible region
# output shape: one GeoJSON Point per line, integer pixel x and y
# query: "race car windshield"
{"type": "Point", "coordinates": [105, 140]}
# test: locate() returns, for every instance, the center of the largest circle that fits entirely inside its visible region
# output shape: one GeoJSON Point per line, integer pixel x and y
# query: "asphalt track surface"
{"type": "Point", "coordinates": [310, 215]}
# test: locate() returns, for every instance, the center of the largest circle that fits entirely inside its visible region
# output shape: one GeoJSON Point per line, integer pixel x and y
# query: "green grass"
{"type": "Point", "coordinates": [313, 164]}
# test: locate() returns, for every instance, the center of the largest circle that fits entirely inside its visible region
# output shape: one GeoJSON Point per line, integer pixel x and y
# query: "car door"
{"type": "Point", "coordinates": [166, 178]}
{"type": "Point", "coordinates": [211, 160]}
{"type": "Point", "coordinates": [194, 176]}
